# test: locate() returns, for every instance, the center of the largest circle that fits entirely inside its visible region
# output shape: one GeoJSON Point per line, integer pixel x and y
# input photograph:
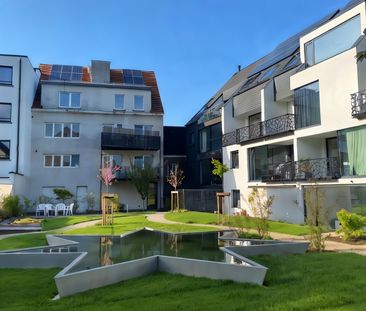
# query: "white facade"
{"type": "Point", "coordinates": [338, 76]}
{"type": "Point", "coordinates": [16, 94]}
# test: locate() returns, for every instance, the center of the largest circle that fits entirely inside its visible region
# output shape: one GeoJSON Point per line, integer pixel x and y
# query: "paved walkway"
{"type": "Point", "coordinates": [329, 245]}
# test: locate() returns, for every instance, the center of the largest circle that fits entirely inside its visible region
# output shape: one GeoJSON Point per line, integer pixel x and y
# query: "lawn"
{"type": "Point", "coordinates": [122, 223]}
{"type": "Point", "coordinates": [295, 282]}
{"type": "Point", "coordinates": [210, 218]}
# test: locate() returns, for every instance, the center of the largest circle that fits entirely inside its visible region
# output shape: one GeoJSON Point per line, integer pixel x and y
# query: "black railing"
{"type": "Point", "coordinates": [303, 170]}
{"type": "Point", "coordinates": [358, 103]}
{"type": "Point", "coordinates": [123, 173]}
{"type": "Point", "coordinates": [126, 139]}
{"type": "Point", "coordinates": [275, 126]}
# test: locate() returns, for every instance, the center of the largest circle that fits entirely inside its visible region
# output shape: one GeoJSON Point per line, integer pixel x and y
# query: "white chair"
{"type": "Point", "coordinates": [41, 208]}
{"type": "Point", "coordinates": [60, 207]}
{"type": "Point", "coordinates": [50, 208]}
{"type": "Point", "coordinates": [69, 209]}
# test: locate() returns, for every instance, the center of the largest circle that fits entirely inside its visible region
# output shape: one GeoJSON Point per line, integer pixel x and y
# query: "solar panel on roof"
{"type": "Point", "coordinates": [133, 77]}
{"type": "Point", "coordinates": [66, 72]}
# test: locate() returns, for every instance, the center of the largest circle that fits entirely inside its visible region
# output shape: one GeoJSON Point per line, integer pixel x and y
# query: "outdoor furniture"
{"type": "Point", "coordinates": [69, 210]}
{"type": "Point", "coordinates": [50, 208]}
{"type": "Point", "coordinates": [60, 207]}
{"type": "Point", "coordinates": [41, 208]}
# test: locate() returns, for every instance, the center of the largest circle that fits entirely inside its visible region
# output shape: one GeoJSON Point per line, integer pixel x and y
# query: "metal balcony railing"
{"type": "Point", "coordinates": [358, 104]}
{"type": "Point", "coordinates": [303, 170]}
{"type": "Point", "coordinates": [275, 126]}
{"type": "Point", "coordinates": [123, 173]}
{"type": "Point", "coordinates": [127, 139]}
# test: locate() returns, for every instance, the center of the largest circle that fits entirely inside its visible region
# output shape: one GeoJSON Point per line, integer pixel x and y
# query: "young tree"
{"type": "Point", "coordinates": [107, 175]}
{"type": "Point", "coordinates": [316, 216]}
{"type": "Point", "coordinates": [261, 208]}
{"type": "Point", "coordinates": [219, 168]}
{"type": "Point", "coordinates": [141, 178]}
{"type": "Point", "coordinates": [175, 177]}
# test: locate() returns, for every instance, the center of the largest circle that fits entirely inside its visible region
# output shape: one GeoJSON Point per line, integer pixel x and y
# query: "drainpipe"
{"type": "Point", "coordinates": [18, 123]}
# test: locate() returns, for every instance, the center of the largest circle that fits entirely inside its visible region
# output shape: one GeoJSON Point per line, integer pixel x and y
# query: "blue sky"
{"type": "Point", "coordinates": [194, 46]}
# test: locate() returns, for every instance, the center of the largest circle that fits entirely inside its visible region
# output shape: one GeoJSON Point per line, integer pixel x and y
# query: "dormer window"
{"type": "Point", "coordinates": [333, 42]}
{"type": "Point", "coordinates": [69, 100]}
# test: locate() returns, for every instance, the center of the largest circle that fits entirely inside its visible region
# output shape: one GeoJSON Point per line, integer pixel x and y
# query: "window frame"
{"type": "Point", "coordinates": [3, 120]}
{"type": "Point", "coordinates": [123, 102]}
{"type": "Point", "coordinates": [69, 100]}
{"type": "Point", "coordinates": [62, 130]}
{"type": "Point", "coordinates": [8, 157]}
{"type": "Point", "coordinates": [134, 102]}
{"type": "Point", "coordinates": [237, 193]}
{"type": "Point", "coordinates": [232, 164]}
{"type": "Point", "coordinates": [61, 160]}
{"type": "Point", "coordinates": [12, 76]}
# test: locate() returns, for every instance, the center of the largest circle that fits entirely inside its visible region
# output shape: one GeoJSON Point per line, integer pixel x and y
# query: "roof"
{"type": "Point", "coordinates": [281, 55]}
{"type": "Point", "coordinates": [116, 78]}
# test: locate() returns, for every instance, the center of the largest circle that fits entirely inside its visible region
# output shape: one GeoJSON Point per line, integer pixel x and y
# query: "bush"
{"type": "Point", "coordinates": [351, 225]}
{"type": "Point", "coordinates": [63, 194]}
{"type": "Point", "coordinates": [11, 205]}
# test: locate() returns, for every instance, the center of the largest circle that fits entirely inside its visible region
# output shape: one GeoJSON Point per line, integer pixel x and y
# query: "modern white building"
{"type": "Point", "coordinates": [18, 83]}
{"type": "Point", "coordinates": [298, 118]}
{"type": "Point", "coordinates": [85, 117]}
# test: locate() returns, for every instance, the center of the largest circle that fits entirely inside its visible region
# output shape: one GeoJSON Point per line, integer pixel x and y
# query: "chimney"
{"type": "Point", "coordinates": [100, 70]}
{"type": "Point", "coordinates": [239, 68]}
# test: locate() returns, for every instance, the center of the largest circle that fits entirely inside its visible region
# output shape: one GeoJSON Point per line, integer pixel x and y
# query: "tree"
{"type": "Point", "coordinates": [141, 178]}
{"type": "Point", "coordinates": [261, 208]}
{"type": "Point", "coordinates": [175, 177]}
{"type": "Point", "coordinates": [316, 216]}
{"type": "Point", "coordinates": [62, 194]}
{"type": "Point", "coordinates": [108, 175]}
{"type": "Point", "coordinates": [219, 168]}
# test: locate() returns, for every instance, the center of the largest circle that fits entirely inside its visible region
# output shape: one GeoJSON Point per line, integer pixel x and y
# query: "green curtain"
{"type": "Point", "coordinates": [356, 148]}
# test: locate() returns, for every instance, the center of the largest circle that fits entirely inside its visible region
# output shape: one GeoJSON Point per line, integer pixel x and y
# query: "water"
{"type": "Point", "coordinates": [107, 250]}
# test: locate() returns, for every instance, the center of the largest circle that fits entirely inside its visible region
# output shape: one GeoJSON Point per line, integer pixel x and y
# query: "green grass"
{"type": "Point", "coordinates": [125, 224]}
{"type": "Point", "coordinates": [210, 218]}
{"type": "Point", "coordinates": [295, 282]}
{"type": "Point", "coordinates": [23, 241]}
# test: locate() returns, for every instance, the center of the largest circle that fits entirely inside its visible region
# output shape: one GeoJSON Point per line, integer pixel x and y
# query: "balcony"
{"type": "Point", "coordinates": [127, 139]}
{"type": "Point", "coordinates": [271, 127]}
{"type": "Point", "coordinates": [123, 173]}
{"type": "Point", "coordinates": [358, 103]}
{"type": "Point", "coordinates": [303, 170]}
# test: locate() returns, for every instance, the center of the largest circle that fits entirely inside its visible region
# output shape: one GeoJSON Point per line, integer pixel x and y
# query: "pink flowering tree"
{"type": "Point", "coordinates": [108, 175]}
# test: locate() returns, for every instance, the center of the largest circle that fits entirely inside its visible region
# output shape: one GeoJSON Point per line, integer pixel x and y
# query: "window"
{"type": "Point", "coordinates": [268, 74]}
{"type": "Point", "coordinates": [235, 159]}
{"type": "Point", "coordinates": [69, 100]}
{"type": "Point", "coordinates": [65, 160]}
{"type": "Point", "coordinates": [295, 60]}
{"type": "Point", "coordinates": [143, 129]}
{"type": "Point", "coordinates": [112, 160]}
{"type": "Point", "coordinates": [203, 140]}
{"type": "Point", "coordinates": [250, 81]}
{"type": "Point", "coordinates": [236, 198]}
{"type": "Point", "coordinates": [192, 138]}
{"type": "Point", "coordinates": [119, 102]}
{"type": "Point", "coordinates": [4, 149]}
{"type": "Point", "coordinates": [333, 42]}
{"type": "Point", "coordinates": [142, 161]}
{"type": "Point", "coordinates": [138, 102]}
{"type": "Point", "coordinates": [62, 130]}
{"type": "Point", "coordinates": [5, 112]}
{"type": "Point", "coordinates": [307, 105]}
{"type": "Point", "coordinates": [6, 75]}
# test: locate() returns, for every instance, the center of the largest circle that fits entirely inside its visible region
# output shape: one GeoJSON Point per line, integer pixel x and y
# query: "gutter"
{"type": "Point", "coordinates": [18, 123]}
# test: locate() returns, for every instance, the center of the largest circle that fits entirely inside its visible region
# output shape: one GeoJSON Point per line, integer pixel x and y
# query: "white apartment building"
{"type": "Point", "coordinates": [85, 117]}
{"type": "Point", "coordinates": [299, 117]}
{"type": "Point", "coordinates": [18, 83]}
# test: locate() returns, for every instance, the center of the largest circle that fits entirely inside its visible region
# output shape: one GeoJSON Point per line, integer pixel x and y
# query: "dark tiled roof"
{"type": "Point", "coordinates": [116, 77]}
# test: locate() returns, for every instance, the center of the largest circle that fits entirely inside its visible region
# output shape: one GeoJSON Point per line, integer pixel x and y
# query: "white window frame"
{"type": "Point", "coordinates": [70, 100]}
{"type": "Point", "coordinates": [123, 102]}
{"type": "Point", "coordinates": [61, 160]}
{"type": "Point", "coordinates": [62, 130]}
{"type": "Point", "coordinates": [134, 103]}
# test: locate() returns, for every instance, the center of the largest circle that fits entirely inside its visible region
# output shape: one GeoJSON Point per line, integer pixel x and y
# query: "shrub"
{"type": "Point", "coordinates": [351, 225]}
{"type": "Point", "coordinates": [11, 205]}
{"type": "Point", "coordinates": [63, 194]}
